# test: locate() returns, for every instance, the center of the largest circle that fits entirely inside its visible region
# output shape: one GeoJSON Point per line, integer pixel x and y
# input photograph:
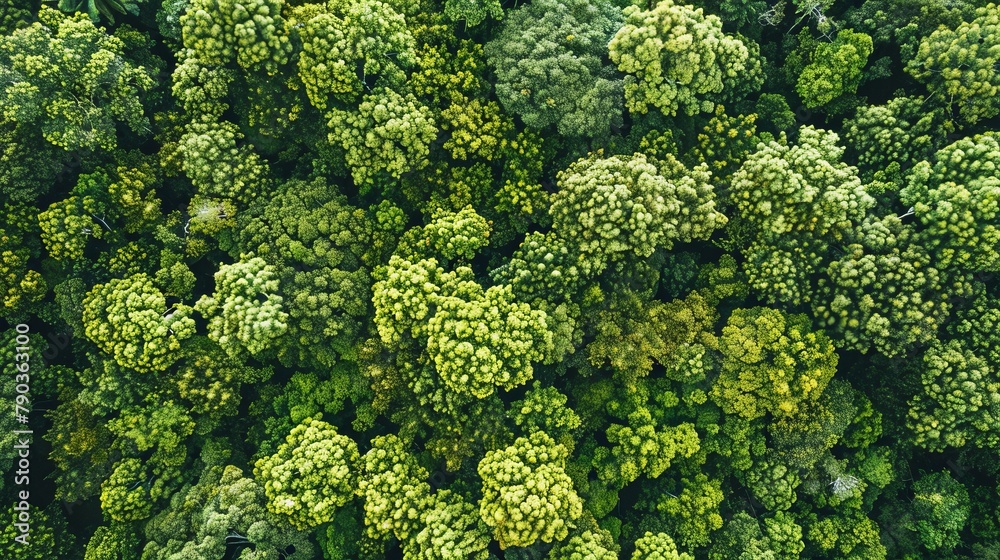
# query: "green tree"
{"type": "Point", "coordinates": [452, 530]}
{"type": "Point", "coordinates": [245, 314]}
{"type": "Point", "coordinates": [771, 363]}
{"type": "Point", "coordinates": [20, 286]}
{"type": "Point", "coordinates": [252, 32]}
{"type": "Point", "coordinates": [527, 495]}
{"type": "Point", "coordinates": [835, 68]}
{"type": "Point", "coordinates": [550, 62]}
{"type": "Point", "coordinates": [473, 12]}
{"type": "Point", "coordinates": [694, 513]}
{"type": "Point", "coordinates": [345, 43]}
{"type": "Point", "coordinates": [477, 340]}
{"type": "Point", "coordinates": [960, 402]}
{"type": "Point", "coordinates": [395, 491]}
{"type": "Point", "coordinates": [48, 536]}
{"type": "Point", "coordinates": [389, 132]}
{"type": "Point", "coordinates": [313, 473]}
{"type": "Point", "coordinates": [658, 546]}
{"type": "Point", "coordinates": [612, 206]}
{"type": "Point", "coordinates": [959, 66]}
{"type": "Point", "coordinates": [72, 82]}
{"type": "Point", "coordinates": [957, 200]}
{"type": "Point", "coordinates": [940, 511]}
{"type": "Point", "coordinates": [675, 57]}
{"type": "Point", "coordinates": [128, 318]}
{"type": "Point", "coordinates": [593, 545]}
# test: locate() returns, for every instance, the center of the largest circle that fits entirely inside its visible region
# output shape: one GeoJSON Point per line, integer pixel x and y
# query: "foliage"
{"type": "Point", "coordinates": [834, 69]}
{"type": "Point", "coordinates": [244, 313]}
{"type": "Point", "coordinates": [549, 60]}
{"type": "Point", "coordinates": [959, 66]}
{"type": "Point", "coordinates": [472, 279]}
{"type": "Point", "coordinates": [674, 56]}
{"type": "Point", "coordinates": [312, 474]}
{"type": "Point", "coordinates": [527, 496]}
{"type": "Point", "coordinates": [772, 363]}
{"type": "Point", "coordinates": [72, 82]}
{"type": "Point", "coordinates": [128, 318]}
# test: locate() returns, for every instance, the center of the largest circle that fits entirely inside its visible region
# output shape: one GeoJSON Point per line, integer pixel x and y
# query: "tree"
{"type": "Point", "coordinates": [940, 511]}
{"type": "Point", "coordinates": [158, 435]}
{"type": "Point", "coordinates": [452, 530]}
{"type": "Point", "coordinates": [222, 506]}
{"type": "Point", "coordinates": [252, 32]}
{"type": "Point", "coordinates": [675, 56]}
{"type": "Point", "coordinates": [593, 545]}
{"type": "Point", "coordinates": [449, 236]}
{"type": "Point", "coordinates": [20, 286]}
{"type": "Point", "coordinates": [217, 165]}
{"type": "Point", "coordinates": [48, 536]}
{"type": "Point", "coordinates": [834, 69]}
{"type": "Point", "coordinates": [72, 82]}
{"type": "Point", "coordinates": [128, 318]}
{"type": "Point", "coordinates": [959, 66]}
{"type": "Point", "coordinates": [320, 248]}
{"type": "Point", "coordinates": [473, 12]}
{"type": "Point", "coordinates": [658, 546]}
{"type": "Point", "coordinates": [97, 8]}
{"type": "Point", "coordinates": [957, 200]}
{"type": "Point", "coordinates": [771, 363]}
{"type": "Point", "coordinates": [388, 132]}
{"type": "Point", "coordinates": [550, 62]}
{"type": "Point", "coordinates": [806, 188]}
{"type": "Point", "coordinates": [693, 513]}
{"type": "Point", "coordinates": [313, 473]}
{"type": "Point", "coordinates": [612, 206]}
{"type": "Point", "coordinates": [477, 340]}
{"type": "Point", "coordinates": [527, 495]}
{"type": "Point", "coordinates": [81, 450]}
{"type": "Point", "coordinates": [885, 291]}
{"type": "Point", "coordinates": [116, 541]}
{"type": "Point", "coordinates": [902, 131]}
{"type": "Point", "coordinates": [244, 314]}
{"type": "Point", "coordinates": [960, 402]}
{"type": "Point", "coordinates": [395, 490]}
{"type": "Point", "coordinates": [128, 494]}
{"type": "Point", "coordinates": [349, 44]}
{"type": "Point", "coordinates": [643, 448]}
{"type": "Point", "coordinates": [632, 334]}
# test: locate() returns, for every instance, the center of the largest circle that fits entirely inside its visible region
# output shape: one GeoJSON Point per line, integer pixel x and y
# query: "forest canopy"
{"type": "Point", "coordinates": [500, 279]}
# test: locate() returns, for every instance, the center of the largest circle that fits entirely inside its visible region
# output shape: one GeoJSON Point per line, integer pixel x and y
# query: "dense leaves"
{"type": "Point", "coordinates": [491, 280]}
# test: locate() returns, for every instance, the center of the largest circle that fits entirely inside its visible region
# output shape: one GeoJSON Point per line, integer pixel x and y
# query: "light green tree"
{"type": "Point", "coordinates": [957, 201]}
{"type": "Point", "coordinates": [612, 206]}
{"type": "Point", "coordinates": [343, 43]}
{"type": "Point", "coordinates": [771, 362]}
{"type": "Point", "coordinates": [395, 489]}
{"type": "Point", "coordinates": [388, 131]}
{"type": "Point", "coordinates": [253, 32]}
{"type": "Point", "coordinates": [245, 314]}
{"type": "Point", "coordinates": [658, 546]}
{"type": "Point", "coordinates": [313, 473]}
{"type": "Point", "coordinates": [527, 495]}
{"type": "Point", "coordinates": [694, 513]}
{"type": "Point", "coordinates": [128, 318]}
{"type": "Point", "coordinates": [452, 530]}
{"type": "Point", "coordinates": [675, 57]}
{"type": "Point", "coordinates": [71, 82]}
{"type": "Point", "coordinates": [959, 66]}
{"type": "Point", "coordinates": [835, 68]}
